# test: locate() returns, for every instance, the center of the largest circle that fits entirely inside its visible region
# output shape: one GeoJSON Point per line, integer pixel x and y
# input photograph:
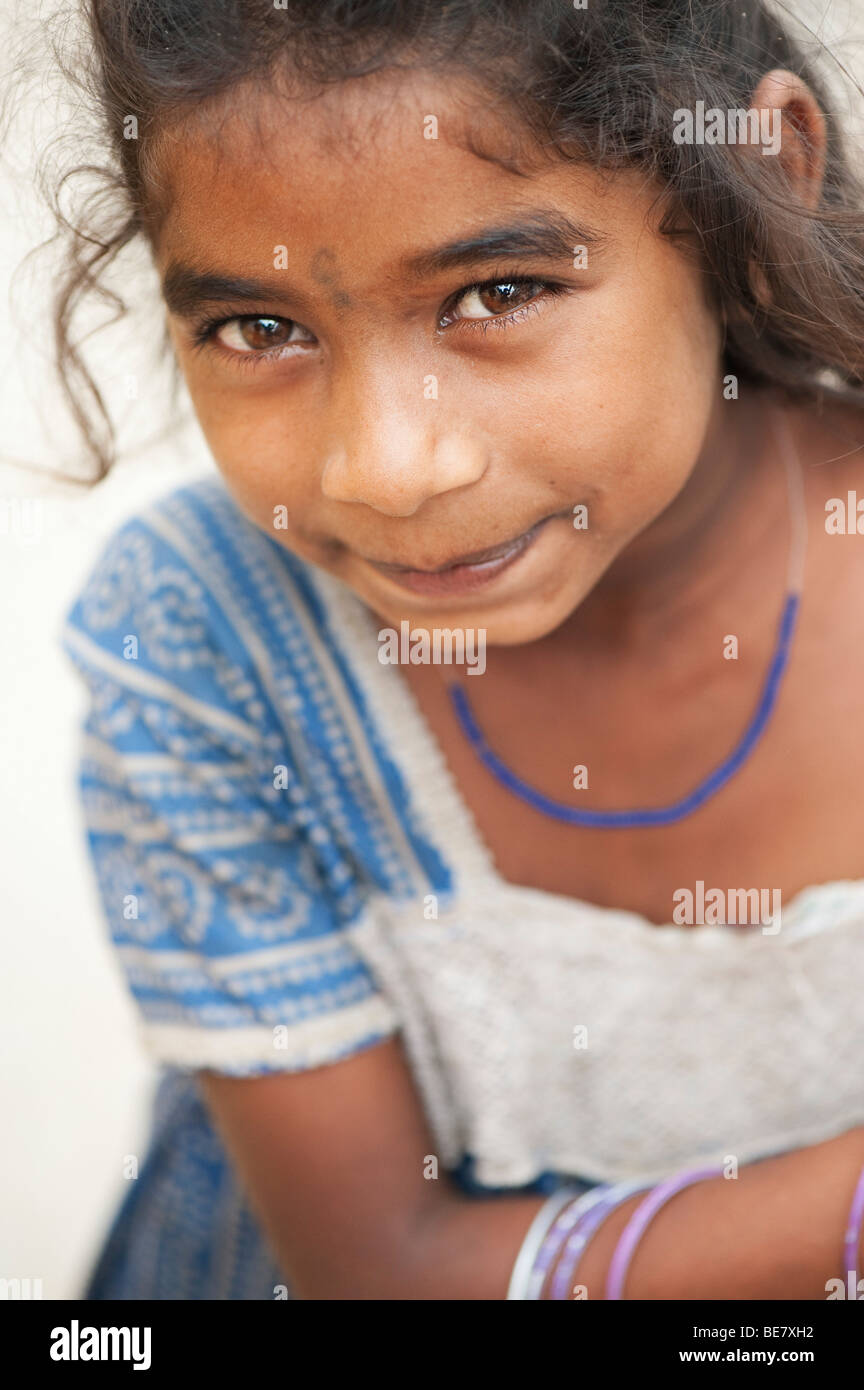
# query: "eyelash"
{"type": "Point", "coordinates": [204, 333]}
{"type": "Point", "coordinates": [549, 289]}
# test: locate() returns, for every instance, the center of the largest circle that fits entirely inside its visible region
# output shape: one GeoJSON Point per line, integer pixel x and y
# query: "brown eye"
{"type": "Point", "coordinates": [260, 333]}
{"type": "Point", "coordinates": [500, 297]}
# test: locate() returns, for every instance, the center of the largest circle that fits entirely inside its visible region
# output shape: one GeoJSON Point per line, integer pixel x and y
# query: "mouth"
{"type": "Point", "coordinates": [465, 572]}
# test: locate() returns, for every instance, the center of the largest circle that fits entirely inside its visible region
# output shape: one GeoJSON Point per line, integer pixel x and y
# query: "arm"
{"type": "Point", "coordinates": [333, 1160]}
{"type": "Point", "coordinates": [774, 1232]}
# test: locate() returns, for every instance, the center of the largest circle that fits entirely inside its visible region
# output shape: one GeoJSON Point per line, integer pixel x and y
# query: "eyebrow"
{"type": "Point", "coordinates": [547, 234]}
{"type": "Point", "coordinates": [186, 289]}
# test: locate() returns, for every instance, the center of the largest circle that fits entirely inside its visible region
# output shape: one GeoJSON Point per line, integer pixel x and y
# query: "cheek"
{"type": "Point", "coordinates": [635, 398]}
{"type": "Point", "coordinates": [256, 443]}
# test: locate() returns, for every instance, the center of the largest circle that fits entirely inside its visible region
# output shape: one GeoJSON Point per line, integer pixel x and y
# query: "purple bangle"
{"type": "Point", "coordinates": [552, 1241]}
{"type": "Point", "coordinates": [641, 1218]}
{"type": "Point", "coordinates": [591, 1218]}
{"type": "Point", "coordinates": [853, 1231]}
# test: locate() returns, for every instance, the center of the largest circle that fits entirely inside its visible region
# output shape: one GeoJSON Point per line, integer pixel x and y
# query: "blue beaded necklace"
{"type": "Point", "coordinates": [677, 810]}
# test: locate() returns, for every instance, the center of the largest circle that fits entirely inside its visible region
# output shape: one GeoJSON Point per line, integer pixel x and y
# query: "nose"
{"type": "Point", "coordinates": [395, 452]}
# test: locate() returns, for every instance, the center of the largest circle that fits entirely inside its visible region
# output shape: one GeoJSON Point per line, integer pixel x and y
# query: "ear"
{"type": "Point", "coordinates": [803, 130]}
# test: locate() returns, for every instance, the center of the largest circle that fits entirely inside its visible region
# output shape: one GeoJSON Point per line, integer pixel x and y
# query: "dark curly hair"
{"type": "Point", "coordinates": [600, 84]}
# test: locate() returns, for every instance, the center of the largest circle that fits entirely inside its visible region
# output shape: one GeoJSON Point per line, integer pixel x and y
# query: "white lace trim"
{"type": "Point", "coordinates": [442, 814]}
{"type": "Point", "coordinates": [311, 1043]}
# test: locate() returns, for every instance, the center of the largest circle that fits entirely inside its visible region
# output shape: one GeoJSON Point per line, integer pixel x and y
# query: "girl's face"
{"type": "Point", "coordinates": [406, 356]}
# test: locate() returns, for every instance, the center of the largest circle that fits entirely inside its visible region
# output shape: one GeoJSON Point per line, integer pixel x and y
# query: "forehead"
{"type": "Point", "coordinates": [363, 174]}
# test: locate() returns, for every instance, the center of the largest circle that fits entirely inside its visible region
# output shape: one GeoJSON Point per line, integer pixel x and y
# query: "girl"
{"type": "Point", "coordinates": [531, 337]}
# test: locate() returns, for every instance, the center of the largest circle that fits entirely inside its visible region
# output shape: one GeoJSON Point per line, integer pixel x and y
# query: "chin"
{"type": "Point", "coordinates": [528, 622]}
{"type": "Point", "coordinates": [512, 624]}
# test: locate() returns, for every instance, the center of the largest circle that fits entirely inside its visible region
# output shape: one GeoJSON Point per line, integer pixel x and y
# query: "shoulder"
{"type": "Point", "coordinates": [190, 600]}
{"type": "Point", "coordinates": [217, 830]}
{"type": "Point", "coordinates": [202, 639]}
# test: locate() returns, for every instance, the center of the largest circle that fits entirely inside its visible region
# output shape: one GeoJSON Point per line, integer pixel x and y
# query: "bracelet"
{"type": "Point", "coordinates": [640, 1220]}
{"type": "Point", "coordinates": [556, 1235]}
{"type": "Point", "coordinates": [533, 1240]}
{"type": "Point", "coordinates": [853, 1233]}
{"type": "Point", "coordinates": [590, 1220]}
{"type": "Point", "coordinates": [566, 1222]}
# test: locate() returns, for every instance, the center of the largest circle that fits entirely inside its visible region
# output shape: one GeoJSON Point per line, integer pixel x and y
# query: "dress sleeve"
{"type": "Point", "coordinates": [230, 920]}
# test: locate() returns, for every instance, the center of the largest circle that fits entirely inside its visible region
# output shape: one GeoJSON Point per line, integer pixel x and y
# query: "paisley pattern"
{"type": "Point", "coordinates": [228, 811]}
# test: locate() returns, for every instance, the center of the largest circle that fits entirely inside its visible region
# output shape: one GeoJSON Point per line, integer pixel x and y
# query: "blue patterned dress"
{"type": "Point", "coordinates": [290, 875]}
{"type": "Point", "coordinates": [241, 807]}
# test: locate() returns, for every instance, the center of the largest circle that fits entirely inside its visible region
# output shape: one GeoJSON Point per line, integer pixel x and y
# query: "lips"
{"type": "Point", "coordinates": [477, 557]}
{"type": "Point", "coordinates": [465, 573]}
